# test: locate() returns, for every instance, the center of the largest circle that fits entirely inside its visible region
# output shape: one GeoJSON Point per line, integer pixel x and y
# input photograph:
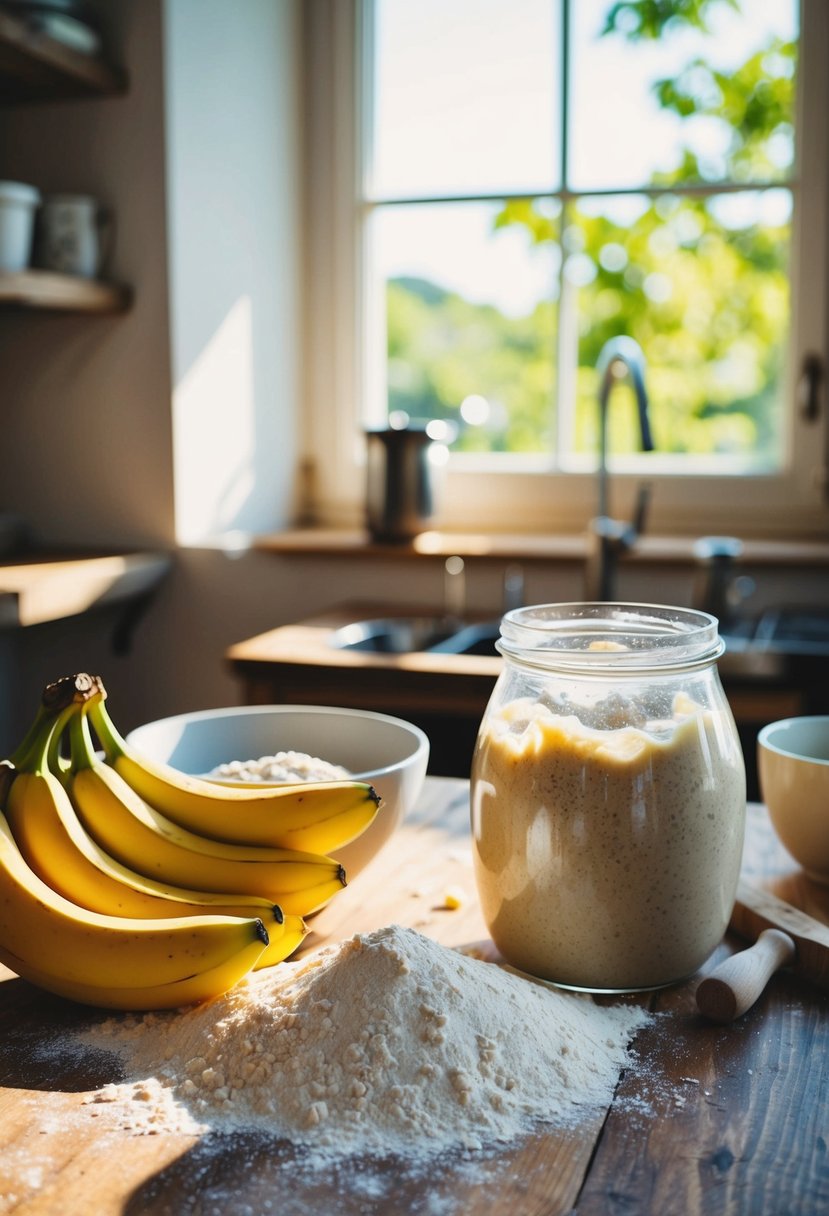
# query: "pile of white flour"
{"type": "Point", "coordinates": [384, 1044]}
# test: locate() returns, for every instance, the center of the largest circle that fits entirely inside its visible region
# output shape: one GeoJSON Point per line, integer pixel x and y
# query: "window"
{"type": "Point", "coordinates": [497, 190]}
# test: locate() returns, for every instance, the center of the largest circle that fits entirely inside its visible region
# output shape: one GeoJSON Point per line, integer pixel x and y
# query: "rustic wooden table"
{"type": "Point", "coordinates": [709, 1119]}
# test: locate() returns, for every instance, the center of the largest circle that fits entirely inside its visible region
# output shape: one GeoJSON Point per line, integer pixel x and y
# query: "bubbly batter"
{"type": "Point", "coordinates": [607, 859]}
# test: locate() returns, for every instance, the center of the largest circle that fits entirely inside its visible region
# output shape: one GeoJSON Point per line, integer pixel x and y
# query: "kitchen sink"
{"type": "Point", "coordinates": [756, 643]}
{"type": "Point", "coordinates": [471, 639]}
{"type": "Point", "coordinates": [427, 634]}
{"type": "Point", "coordinates": [394, 635]}
{"type": "Point", "coordinates": [797, 630]}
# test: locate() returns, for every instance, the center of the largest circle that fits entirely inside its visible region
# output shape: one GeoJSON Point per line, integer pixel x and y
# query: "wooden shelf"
{"type": "Point", "coordinates": [36, 67]}
{"type": "Point", "coordinates": [49, 292]}
{"type": "Point", "coordinates": [43, 587]}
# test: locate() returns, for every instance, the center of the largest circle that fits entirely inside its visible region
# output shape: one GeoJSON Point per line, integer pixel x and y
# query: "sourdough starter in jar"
{"type": "Point", "coordinates": [607, 854]}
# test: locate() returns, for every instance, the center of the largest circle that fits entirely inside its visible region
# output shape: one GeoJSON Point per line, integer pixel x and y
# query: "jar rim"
{"type": "Point", "coordinates": [600, 637]}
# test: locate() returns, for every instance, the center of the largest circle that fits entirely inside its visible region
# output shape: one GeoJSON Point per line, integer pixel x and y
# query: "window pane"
{"type": "Point", "coordinates": [681, 104]}
{"type": "Point", "coordinates": [465, 99]}
{"type": "Point", "coordinates": [702, 285]}
{"type": "Point", "coordinates": [470, 318]}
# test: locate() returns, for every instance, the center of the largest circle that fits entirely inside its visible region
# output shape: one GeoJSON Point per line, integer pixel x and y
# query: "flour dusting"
{"type": "Point", "coordinates": [387, 1043]}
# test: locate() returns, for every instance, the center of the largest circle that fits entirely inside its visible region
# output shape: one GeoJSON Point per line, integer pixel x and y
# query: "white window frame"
{"type": "Point", "coordinates": [489, 497]}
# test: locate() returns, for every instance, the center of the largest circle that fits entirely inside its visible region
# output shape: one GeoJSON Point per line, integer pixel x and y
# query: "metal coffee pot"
{"type": "Point", "coordinates": [400, 490]}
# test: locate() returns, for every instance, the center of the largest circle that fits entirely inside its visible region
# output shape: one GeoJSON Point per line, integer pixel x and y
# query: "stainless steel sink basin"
{"type": "Point", "coordinates": [394, 635]}
{"type": "Point", "coordinates": [764, 646]}
{"type": "Point", "coordinates": [795, 630]}
{"type": "Point", "coordinates": [472, 639]}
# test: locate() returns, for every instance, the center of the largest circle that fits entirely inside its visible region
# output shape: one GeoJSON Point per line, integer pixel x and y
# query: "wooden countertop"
{"type": "Point", "coordinates": [311, 642]}
{"type": "Point", "coordinates": [710, 1119]}
{"type": "Point", "coordinates": [297, 664]}
{"type": "Point", "coordinates": [527, 547]}
{"type": "Point", "coordinates": [44, 587]}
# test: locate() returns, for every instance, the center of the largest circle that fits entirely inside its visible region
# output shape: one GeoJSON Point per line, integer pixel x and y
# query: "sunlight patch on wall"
{"type": "Point", "coordinates": [214, 431]}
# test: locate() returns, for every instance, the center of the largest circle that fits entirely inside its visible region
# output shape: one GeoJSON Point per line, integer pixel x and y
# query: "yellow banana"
{"type": "Point", "coordinates": [192, 989]}
{"type": "Point", "coordinates": [71, 943]}
{"type": "Point", "coordinates": [55, 845]}
{"type": "Point", "coordinates": [141, 838]}
{"type": "Point", "coordinates": [294, 930]}
{"type": "Point", "coordinates": [318, 817]}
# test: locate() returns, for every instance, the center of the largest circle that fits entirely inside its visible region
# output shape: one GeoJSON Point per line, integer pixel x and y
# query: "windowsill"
{"type": "Point", "coordinates": [524, 547]}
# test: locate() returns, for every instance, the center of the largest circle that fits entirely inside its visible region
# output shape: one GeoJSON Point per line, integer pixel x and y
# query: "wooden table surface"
{"type": "Point", "coordinates": [708, 1119]}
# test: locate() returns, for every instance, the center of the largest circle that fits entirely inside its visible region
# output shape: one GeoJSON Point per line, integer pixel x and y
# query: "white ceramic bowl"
{"type": "Point", "coordinates": [388, 752]}
{"type": "Point", "coordinates": [793, 765]}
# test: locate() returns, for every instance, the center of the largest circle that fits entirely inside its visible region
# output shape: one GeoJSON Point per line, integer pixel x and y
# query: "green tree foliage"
{"type": "Point", "coordinates": [700, 281]}
{"type": "Point", "coordinates": [643, 19]}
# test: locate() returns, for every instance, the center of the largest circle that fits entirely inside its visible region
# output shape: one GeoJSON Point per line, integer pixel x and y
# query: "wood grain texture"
{"type": "Point", "coordinates": [709, 1120]}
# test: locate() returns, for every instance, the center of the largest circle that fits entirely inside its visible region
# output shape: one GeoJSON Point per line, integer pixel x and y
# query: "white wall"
{"type": "Point", "coordinates": [233, 207]}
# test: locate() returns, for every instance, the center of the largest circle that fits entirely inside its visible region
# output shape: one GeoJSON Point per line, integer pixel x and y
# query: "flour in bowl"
{"type": "Point", "coordinates": [387, 1043]}
{"type": "Point", "coordinates": [284, 766]}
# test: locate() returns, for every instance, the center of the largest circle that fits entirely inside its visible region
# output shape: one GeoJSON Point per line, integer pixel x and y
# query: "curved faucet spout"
{"type": "Point", "coordinates": [619, 357]}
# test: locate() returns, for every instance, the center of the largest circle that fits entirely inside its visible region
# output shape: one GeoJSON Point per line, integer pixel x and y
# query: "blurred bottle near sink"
{"type": "Point", "coordinates": [719, 588]}
{"type": "Point", "coordinates": [402, 472]}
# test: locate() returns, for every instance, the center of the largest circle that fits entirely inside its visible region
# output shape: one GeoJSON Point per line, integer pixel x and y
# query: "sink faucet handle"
{"type": "Point", "coordinates": [640, 510]}
{"type": "Point", "coordinates": [719, 590]}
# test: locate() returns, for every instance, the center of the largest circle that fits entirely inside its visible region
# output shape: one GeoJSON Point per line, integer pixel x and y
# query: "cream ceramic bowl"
{"type": "Point", "coordinates": [793, 764]}
{"type": "Point", "coordinates": [388, 752]}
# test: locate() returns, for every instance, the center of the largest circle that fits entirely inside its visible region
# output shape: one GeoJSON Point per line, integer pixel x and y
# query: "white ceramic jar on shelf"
{"type": "Point", "coordinates": [18, 204]}
{"type": "Point", "coordinates": [73, 232]}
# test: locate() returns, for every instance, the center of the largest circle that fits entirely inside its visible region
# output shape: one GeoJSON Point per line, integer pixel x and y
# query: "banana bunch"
{"type": "Point", "coordinates": [107, 897]}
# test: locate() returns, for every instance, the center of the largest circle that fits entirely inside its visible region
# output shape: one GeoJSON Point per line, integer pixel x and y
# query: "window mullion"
{"type": "Point", "coordinates": [566, 330]}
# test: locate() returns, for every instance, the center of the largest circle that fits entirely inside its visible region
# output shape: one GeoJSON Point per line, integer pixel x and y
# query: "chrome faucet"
{"type": "Point", "coordinates": [619, 357]}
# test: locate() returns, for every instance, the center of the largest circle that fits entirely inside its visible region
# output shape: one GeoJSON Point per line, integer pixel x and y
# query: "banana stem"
{"type": "Point", "coordinates": [43, 748]}
{"type": "Point", "coordinates": [111, 741]}
{"type": "Point", "coordinates": [18, 756]}
{"type": "Point", "coordinates": [80, 742]}
{"type": "Point", "coordinates": [56, 697]}
{"type": "Point", "coordinates": [78, 688]}
{"type": "Point", "coordinates": [55, 762]}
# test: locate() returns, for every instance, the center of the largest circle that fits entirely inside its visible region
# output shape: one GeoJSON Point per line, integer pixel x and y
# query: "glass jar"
{"type": "Point", "coordinates": [608, 796]}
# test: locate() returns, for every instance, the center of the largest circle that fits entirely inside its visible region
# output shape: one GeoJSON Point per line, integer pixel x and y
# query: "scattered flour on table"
{"type": "Point", "coordinates": [387, 1043]}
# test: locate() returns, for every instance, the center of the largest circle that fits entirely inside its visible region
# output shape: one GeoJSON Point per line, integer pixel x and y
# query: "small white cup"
{"type": "Point", "coordinates": [17, 213]}
{"type": "Point", "coordinates": [793, 765]}
{"type": "Point", "coordinates": [73, 232]}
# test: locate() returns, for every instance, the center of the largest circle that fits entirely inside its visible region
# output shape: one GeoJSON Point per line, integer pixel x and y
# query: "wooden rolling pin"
{"type": "Point", "coordinates": [784, 936]}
